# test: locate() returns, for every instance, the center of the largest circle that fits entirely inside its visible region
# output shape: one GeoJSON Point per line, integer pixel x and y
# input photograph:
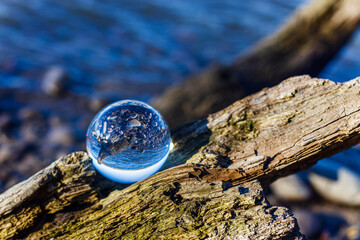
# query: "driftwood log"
{"type": "Point", "coordinates": [210, 186]}
{"type": "Point", "coordinates": [304, 45]}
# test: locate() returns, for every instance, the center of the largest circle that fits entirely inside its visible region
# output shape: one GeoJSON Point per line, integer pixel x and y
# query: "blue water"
{"type": "Point", "coordinates": [143, 45]}
{"type": "Point", "coordinates": [116, 49]}
{"type": "Point", "coordinates": [146, 46]}
{"type": "Point", "coordinates": [346, 65]}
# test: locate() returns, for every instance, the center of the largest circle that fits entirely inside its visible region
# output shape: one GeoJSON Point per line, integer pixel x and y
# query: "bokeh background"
{"type": "Point", "coordinates": [62, 61]}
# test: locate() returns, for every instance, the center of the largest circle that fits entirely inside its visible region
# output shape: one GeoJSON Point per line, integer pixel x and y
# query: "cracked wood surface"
{"type": "Point", "coordinates": [210, 185]}
{"type": "Point", "coordinates": [170, 205]}
{"type": "Point", "coordinates": [276, 131]}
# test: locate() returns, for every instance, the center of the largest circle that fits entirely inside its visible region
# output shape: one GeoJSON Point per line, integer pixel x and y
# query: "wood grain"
{"type": "Point", "coordinates": [210, 186]}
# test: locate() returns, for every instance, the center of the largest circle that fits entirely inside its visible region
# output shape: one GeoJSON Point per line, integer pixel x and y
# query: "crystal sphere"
{"type": "Point", "coordinates": [128, 141]}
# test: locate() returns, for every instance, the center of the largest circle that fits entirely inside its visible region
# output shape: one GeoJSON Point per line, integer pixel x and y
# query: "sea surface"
{"type": "Point", "coordinates": [111, 50]}
{"type": "Point", "coordinates": [116, 49]}
{"type": "Point", "coordinates": [137, 48]}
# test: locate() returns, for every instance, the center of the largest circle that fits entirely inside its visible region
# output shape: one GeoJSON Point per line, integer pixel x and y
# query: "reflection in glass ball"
{"type": "Point", "coordinates": [128, 141]}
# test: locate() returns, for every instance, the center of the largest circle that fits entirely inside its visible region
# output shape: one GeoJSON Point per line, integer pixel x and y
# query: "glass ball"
{"type": "Point", "coordinates": [128, 141]}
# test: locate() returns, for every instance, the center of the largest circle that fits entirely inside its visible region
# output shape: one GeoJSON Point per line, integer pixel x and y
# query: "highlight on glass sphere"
{"type": "Point", "coordinates": [128, 141]}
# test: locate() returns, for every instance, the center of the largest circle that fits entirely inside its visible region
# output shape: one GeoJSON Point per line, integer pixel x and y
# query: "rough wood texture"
{"type": "Point", "coordinates": [304, 45]}
{"type": "Point", "coordinates": [170, 205]}
{"type": "Point", "coordinates": [208, 188]}
{"type": "Point", "coordinates": [270, 133]}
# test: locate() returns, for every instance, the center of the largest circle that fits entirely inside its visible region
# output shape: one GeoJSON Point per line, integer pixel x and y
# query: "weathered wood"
{"type": "Point", "coordinates": [276, 131]}
{"type": "Point", "coordinates": [304, 45]}
{"type": "Point", "coordinates": [168, 206]}
{"type": "Point", "coordinates": [210, 185]}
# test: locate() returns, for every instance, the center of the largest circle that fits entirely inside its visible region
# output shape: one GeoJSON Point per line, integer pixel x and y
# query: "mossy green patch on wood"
{"type": "Point", "coordinates": [150, 211]}
{"type": "Point", "coordinates": [13, 226]}
{"type": "Point", "coordinates": [239, 127]}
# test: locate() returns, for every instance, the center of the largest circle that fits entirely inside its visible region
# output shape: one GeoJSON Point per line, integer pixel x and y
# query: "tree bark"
{"type": "Point", "coordinates": [304, 45]}
{"type": "Point", "coordinates": [210, 185]}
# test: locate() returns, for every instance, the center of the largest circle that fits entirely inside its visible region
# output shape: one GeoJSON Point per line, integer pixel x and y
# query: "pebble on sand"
{"type": "Point", "coordinates": [54, 81]}
{"type": "Point", "coordinates": [291, 188]}
{"type": "Point", "coordinates": [336, 182]}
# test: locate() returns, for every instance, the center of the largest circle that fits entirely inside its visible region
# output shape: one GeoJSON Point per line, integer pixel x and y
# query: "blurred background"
{"type": "Point", "coordinates": [62, 61]}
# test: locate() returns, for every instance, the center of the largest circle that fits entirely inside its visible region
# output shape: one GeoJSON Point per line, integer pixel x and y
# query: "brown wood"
{"type": "Point", "coordinates": [304, 45]}
{"type": "Point", "coordinates": [210, 186]}
{"type": "Point", "coordinates": [162, 207]}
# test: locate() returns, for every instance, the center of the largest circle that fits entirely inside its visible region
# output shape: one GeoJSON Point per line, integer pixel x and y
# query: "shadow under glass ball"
{"type": "Point", "coordinates": [128, 141]}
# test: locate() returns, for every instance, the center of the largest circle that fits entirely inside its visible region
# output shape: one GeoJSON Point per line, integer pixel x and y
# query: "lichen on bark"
{"type": "Point", "coordinates": [163, 207]}
{"type": "Point", "coordinates": [210, 186]}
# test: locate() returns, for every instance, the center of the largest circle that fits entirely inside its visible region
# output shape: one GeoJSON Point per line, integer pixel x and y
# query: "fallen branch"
{"type": "Point", "coordinates": [210, 186]}
{"type": "Point", "coordinates": [304, 45]}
